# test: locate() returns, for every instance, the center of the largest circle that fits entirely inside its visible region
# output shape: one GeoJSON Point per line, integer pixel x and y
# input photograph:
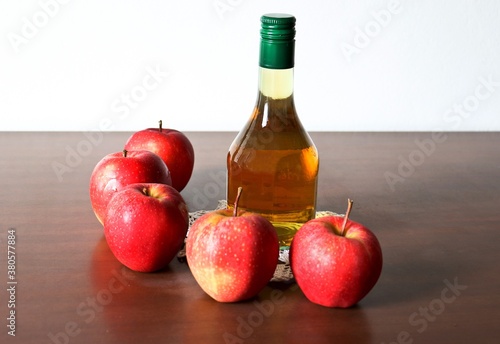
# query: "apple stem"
{"type": "Point", "coordinates": [125, 153]}
{"type": "Point", "coordinates": [346, 216]}
{"type": "Point", "coordinates": [238, 195]}
{"type": "Point", "coordinates": [159, 126]}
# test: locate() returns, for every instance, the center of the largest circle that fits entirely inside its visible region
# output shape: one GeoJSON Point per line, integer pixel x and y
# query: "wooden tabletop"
{"type": "Point", "coordinates": [432, 199]}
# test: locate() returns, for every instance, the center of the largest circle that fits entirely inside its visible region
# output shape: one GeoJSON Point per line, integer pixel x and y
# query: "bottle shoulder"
{"type": "Point", "coordinates": [273, 125]}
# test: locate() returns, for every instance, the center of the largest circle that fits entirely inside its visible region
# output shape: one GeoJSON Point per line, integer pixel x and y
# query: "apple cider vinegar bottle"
{"type": "Point", "coordinates": [273, 158]}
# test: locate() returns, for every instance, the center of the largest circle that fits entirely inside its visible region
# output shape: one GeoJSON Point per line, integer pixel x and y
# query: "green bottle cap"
{"type": "Point", "coordinates": [277, 44]}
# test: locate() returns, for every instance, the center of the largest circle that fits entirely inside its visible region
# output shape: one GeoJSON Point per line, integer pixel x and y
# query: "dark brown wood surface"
{"type": "Point", "coordinates": [432, 200]}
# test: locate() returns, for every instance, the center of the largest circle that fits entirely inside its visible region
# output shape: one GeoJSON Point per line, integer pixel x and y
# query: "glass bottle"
{"type": "Point", "coordinates": [273, 158]}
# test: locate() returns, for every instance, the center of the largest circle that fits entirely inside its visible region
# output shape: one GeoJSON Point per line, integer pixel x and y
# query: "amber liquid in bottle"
{"type": "Point", "coordinates": [274, 159]}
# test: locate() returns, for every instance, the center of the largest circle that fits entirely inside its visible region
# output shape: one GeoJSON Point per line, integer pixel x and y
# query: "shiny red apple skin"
{"type": "Point", "coordinates": [232, 258]}
{"type": "Point", "coordinates": [116, 170]}
{"type": "Point", "coordinates": [146, 225]}
{"type": "Point", "coordinates": [173, 147]}
{"type": "Point", "coordinates": [334, 270]}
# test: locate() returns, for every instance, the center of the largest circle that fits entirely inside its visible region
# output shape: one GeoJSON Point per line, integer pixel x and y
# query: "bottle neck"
{"type": "Point", "coordinates": [276, 83]}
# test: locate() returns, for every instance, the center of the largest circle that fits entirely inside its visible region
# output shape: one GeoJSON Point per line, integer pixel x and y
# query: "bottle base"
{"type": "Point", "coordinates": [286, 231]}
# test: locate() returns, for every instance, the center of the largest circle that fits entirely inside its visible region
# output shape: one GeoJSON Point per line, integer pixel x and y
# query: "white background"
{"type": "Point", "coordinates": [360, 65]}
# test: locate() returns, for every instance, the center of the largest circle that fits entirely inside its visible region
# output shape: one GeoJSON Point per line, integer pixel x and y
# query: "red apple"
{"type": "Point", "coordinates": [335, 261]}
{"type": "Point", "coordinates": [172, 146]}
{"type": "Point", "coordinates": [232, 255]}
{"type": "Point", "coordinates": [117, 170]}
{"type": "Point", "coordinates": [146, 225]}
